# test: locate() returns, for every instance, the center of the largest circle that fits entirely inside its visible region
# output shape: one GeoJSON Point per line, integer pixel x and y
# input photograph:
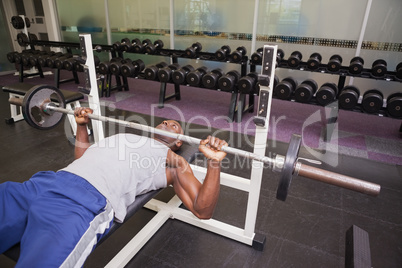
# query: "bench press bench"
{"type": "Point", "coordinates": [188, 152]}
{"type": "Point", "coordinates": [20, 89]}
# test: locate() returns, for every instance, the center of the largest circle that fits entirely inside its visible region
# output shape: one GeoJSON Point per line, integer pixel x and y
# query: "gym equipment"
{"type": "Point", "coordinates": [223, 53]}
{"type": "Point", "coordinates": [238, 54]}
{"type": "Point", "coordinates": [151, 48]}
{"type": "Point", "coordinates": [348, 97]}
{"type": "Point", "coordinates": [43, 60]}
{"type": "Point", "coordinates": [132, 68]}
{"type": "Point", "coordinates": [357, 248]}
{"type": "Point", "coordinates": [34, 59]}
{"type": "Point", "coordinates": [41, 112]}
{"type": "Point", "coordinates": [394, 105]}
{"type": "Point", "coordinates": [11, 56]}
{"type": "Point", "coordinates": [305, 91]}
{"type": "Point", "coordinates": [151, 72]}
{"type": "Point", "coordinates": [210, 80]}
{"type": "Point", "coordinates": [191, 52]}
{"type": "Point", "coordinates": [379, 68]}
{"type": "Point", "coordinates": [22, 39]}
{"type": "Point", "coordinates": [356, 65]}
{"type": "Point", "coordinates": [104, 67]}
{"type": "Point", "coordinates": [18, 22]}
{"type": "Point", "coordinates": [294, 59]}
{"type": "Point", "coordinates": [51, 60]}
{"type": "Point", "coordinates": [194, 78]}
{"type": "Point", "coordinates": [334, 63]}
{"type": "Point", "coordinates": [398, 70]}
{"type": "Point", "coordinates": [165, 74]}
{"type": "Point", "coordinates": [256, 57]}
{"type": "Point", "coordinates": [179, 76]}
{"type": "Point", "coordinates": [140, 47]}
{"type": "Point", "coordinates": [124, 45]}
{"type": "Point", "coordinates": [327, 93]}
{"type": "Point", "coordinates": [228, 81]}
{"type": "Point", "coordinates": [59, 62]}
{"type": "Point", "coordinates": [115, 66]}
{"type": "Point", "coordinates": [373, 101]}
{"type": "Point", "coordinates": [314, 61]}
{"type": "Point", "coordinates": [285, 89]}
{"type": "Point", "coordinates": [279, 57]}
{"type": "Point", "coordinates": [248, 84]}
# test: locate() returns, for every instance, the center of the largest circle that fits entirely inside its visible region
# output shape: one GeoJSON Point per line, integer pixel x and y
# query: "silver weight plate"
{"type": "Point", "coordinates": [32, 106]}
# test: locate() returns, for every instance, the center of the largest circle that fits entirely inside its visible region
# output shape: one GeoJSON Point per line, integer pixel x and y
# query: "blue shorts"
{"type": "Point", "coordinates": [57, 216]}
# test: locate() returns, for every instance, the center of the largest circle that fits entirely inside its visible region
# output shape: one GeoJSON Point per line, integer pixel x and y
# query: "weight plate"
{"type": "Point", "coordinates": [305, 92]}
{"type": "Point", "coordinates": [399, 70]}
{"type": "Point", "coordinates": [288, 167]}
{"type": "Point", "coordinates": [394, 106]}
{"type": "Point", "coordinates": [348, 98]}
{"type": "Point", "coordinates": [372, 102]}
{"type": "Point", "coordinates": [326, 94]}
{"type": "Point", "coordinates": [17, 22]}
{"type": "Point", "coordinates": [32, 106]}
{"type": "Point", "coordinates": [22, 39]}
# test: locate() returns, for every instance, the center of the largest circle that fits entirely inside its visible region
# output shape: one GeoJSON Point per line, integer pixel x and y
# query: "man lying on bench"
{"type": "Point", "coordinates": [58, 217]}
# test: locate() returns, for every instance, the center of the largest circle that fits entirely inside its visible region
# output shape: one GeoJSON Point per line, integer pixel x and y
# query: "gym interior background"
{"type": "Point", "coordinates": [364, 28]}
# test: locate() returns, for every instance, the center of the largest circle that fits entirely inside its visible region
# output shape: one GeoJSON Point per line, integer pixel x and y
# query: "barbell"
{"type": "Point", "coordinates": [43, 107]}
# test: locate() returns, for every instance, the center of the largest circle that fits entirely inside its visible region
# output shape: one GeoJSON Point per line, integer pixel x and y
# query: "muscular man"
{"type": "Point", "coordinates": [58, 217]}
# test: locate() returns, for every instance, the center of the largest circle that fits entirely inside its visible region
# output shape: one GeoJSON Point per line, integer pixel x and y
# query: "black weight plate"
{"type": "Point", "coordinates": [288, 167]}
{"type": "Point", "coordinates": [372, 102]}
{"type": "Point", "coordinates": [17, 22]}
{"type": "Point", "coordinates": [325, 95]}
{"type": "Point", "coordinates": [348, 98]}
{"type": "Point", "coordinates": [305, 92]}
{"type": "Point", "coordinates": [22, 39]}
{"type": "Point", "coordinates": [32, 106]}
{"type": "Point", "coordinates": [394, 106]}
{"type": "Point", "coordinates": [398, 70]}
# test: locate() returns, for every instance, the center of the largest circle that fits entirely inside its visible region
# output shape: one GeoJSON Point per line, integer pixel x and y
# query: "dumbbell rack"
{"type": "Point", "coordinates": [332, 109]}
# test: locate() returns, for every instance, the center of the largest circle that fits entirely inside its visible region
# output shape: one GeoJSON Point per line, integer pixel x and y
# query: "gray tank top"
{"type": "Point", "coordinates": [121, 167]}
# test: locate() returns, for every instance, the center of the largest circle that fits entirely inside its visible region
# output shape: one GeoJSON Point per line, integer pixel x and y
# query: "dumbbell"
{"type": "Point", "coordinates": [223, 53]}
{"type": "Point", "coordinates": [104, 67]}
{"type": "Point", "coordinates": [394, 105]}
{"type": "Point", "coordinates": [294, 59]}
{"type": "Point", "coordinates": [379, 68]}
{"type": "Point", "coordinates": [140, 47]}
{"type": "Point", "coordinates": [247, 84]}
{"type": "Point", "coordinates": [179, 76]}
{"type": "Point", "coordinates": [34, 59]}
{"type": "Point", "coordinates": [228, 81]}
{"type": "Point", "coordinates": [314, 61]}
{"type": "Point", "coordinates": [165, 73]}
{"type": "Point", "coordinates": [194, 78]}
{"type": "Point", "coordinates": [68, 64]}
{"type": "Point", "coordinates": [399, 70]}
{"type": "Point", "coordinates": [18, 56]}
{"type": "Point", "coordinates": [50, 61]}
{"type": "Point", "coordinates": [285, 89]}
{"type": "Point", "coordinates": [334, 63]}
{"type": "Point", "coordinates": [327, 93]}
{"type": "Point", "coordinates": [191, 52]}
{"type": "Point", "coordinates": [305, 91]}
{"type": "Point", "coordinates": [356, 65]}
{"type": "Point", "coordinates": [348, 97]}
{"type": "Point", "coordinates": [32, 37]}
{"type": "Point", "coordinates": [256, 57]}
{"type": "Point", "coordinates": [132, 68]}
{"type": "Point", "coordinates": [279, 56]}
{"type": "Point", "coordinates": [151, 48]}
{"type": "Point", "coordinates": [58, 63]}
{"type": "Point", "coordinates": [11, 56]}
{"type": "Point", "coordinates": [238, 54]}
{"type": "Point", "coordinates": [372, 101]}
{"type": "Point", "coordinates": [118, 46]}
{"type": "Point", "coordinates": [17, 22]}
{"type": "Point", "coordinates": [43, 60]}
{"type": "Point", "coordinates": [115, 66]}
{"type": "Point", "coordinates": [151, 72]}
{"type": "Point", "coordinates": [210, 80]}
{"type": "Point", "coordinates": [25, 57]}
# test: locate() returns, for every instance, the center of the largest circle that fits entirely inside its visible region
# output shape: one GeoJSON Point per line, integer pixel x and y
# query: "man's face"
{"type": "Point", "coordinates": [171, 126]}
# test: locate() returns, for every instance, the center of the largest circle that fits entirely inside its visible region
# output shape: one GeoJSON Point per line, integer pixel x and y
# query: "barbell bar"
{"type": "Point", "coordinates": [43, 107]}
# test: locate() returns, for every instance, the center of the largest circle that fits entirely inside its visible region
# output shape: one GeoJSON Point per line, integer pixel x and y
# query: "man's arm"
{"type": "Point", "coordinates": [82, 139]}
{"type": "Point", "coordinates": [200, 199]}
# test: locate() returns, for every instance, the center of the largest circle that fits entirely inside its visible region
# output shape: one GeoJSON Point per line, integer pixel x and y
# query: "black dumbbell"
{"type": "Point", "coordinates": [279, 56]}
{"type": "Point", "coordinates": [118, 46]}
{"type": "Point", "coordinates": [223, 53]}
{"type": "Point", "coordinates": [327, 93]}
{"type": "Point", "coordinates": [104, 67]}
{"type": "Point", "coordinates": [68, 64]}
{"type": "Point", "coordinates": [305, 91]}
{"type": "Point", "coordinates": [394, 105]}
{"type": "Point", "coordinates": [191, 52]}
{"type": "Point", "coordinates": [228, 81]}
{"type": "Point", "coordinates": [25, 58]}
{"type": "Point", "coordinates": [248, 84]}
{"type": "Point", "coordinates": [379, 68]}
{"type": "Point", "coordinates": [194, 78]}
{"type": "Point", "coordinates": [17, 22]}
{"type": "Point", "coordinates": [210, 80]}
{"type": "Point", "coordinates": [58, 63]}
{"type": "Point", "coordinates": [165, 74]}
{"type": "Point", "coordinates": [42, 60]}
{"type": "Point", "coordinates": [372, 101]}
{"type": "Point", "coordinates": [132, 68]}
{"type": "Point", "coordinates": [314, 61]}
{"type": "Point", "coordinates": [349, 97]}
{"type": "Point", "coordinates": [151, 48]}
{"type": "Point", "coordinates": [32, 37]}
{"type": "Point", "coordinates": [27, 22]}
{"type": "Point", "coordinates": [334, 63]}
{"type": "Point", "coordinates": [115, 67]}
{"type": "Point", "coordinates": [238, 54]}
{"type": "Point", "coordinates": [285, 89]}
{"type": "Point", "coordinates": [11, 56]}
{"type": "Point", "coordinates": [50, 61]}
{"type": "Point", "coordinates": [179, 76]}
{"type": "Point", "coordinates": [151, 72]}
{"type": "Point", "coordinates": [140, 47]}
{"type": "Point", "coordinates": [398, 70]}
{"type": "Point", "coordinates": [256, 57]}
{"type": "Point", "coordinates": [294, 59]}
{"type": "Point", "coordinates": [356, 65]}
{"type": "Point", "coordinates": [33, 59]}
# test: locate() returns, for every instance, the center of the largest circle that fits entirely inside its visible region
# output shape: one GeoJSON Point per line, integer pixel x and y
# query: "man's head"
{"type": "Point", "coordinates": [171, 126]}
